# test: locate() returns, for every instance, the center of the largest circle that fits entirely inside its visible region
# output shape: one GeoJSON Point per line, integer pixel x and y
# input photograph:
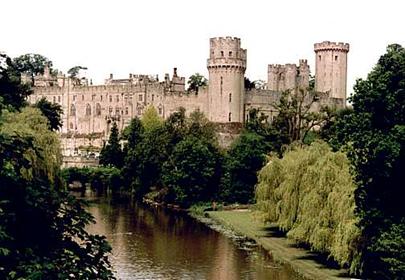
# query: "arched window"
{"type": "Point", "coordinates": [71, 125]}
{"type": "Point", "coordinates": [72, 110]}
{"type": "Point", "coordinates": [98, 109]}
{"type": "Point", "coordinates": [88, 110]}
{"type": "Point", "coordinates": [230, 117]}
{"type": "Point", "coordinates": [117, 111]}
{"type": "Point", "coordinates": [230, 97]}
{"type": "Point", "coordinates": [110, 109]}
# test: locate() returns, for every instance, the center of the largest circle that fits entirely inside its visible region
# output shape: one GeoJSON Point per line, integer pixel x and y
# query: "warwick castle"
{"type": "Point", "coordinates": [89, 110]}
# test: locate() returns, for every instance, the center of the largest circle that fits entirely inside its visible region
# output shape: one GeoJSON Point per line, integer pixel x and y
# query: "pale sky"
{"type": "Point", "coordinates": [153, 36]}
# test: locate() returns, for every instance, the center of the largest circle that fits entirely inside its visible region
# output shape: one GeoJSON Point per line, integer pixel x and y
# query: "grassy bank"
{"type": "Point", "coordinates": [304, 262]}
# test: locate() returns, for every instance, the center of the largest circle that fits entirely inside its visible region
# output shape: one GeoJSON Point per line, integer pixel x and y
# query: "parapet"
{"type": "Point", "coordinates": [329, 46]}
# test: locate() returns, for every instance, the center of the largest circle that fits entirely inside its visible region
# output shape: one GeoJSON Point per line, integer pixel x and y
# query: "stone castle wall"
{"type": "Point", "coordinates": [89, 110]}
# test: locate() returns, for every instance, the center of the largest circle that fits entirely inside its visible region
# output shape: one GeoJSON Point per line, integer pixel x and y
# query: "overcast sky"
{"type": "Point", "coordinates": [153, 36]}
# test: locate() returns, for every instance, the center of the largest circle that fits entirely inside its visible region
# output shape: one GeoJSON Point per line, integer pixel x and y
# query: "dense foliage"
{"type": "Point", "coordinates": [42, 227]}
{"type": "Point", "coordinates": [52, 111]}
{"type": "Point", "coordinates": [309, 193]}
{"type": "Point", "coordinates": [111, 153]}
{"type": "Point", "coordinates": [195, 81]}
{"type": "Point", "coordinates": [100, 178]}
{"type": "Point", "coordinates": [373, 133]}
{"type": "Point", "coordinates": [43, 235]}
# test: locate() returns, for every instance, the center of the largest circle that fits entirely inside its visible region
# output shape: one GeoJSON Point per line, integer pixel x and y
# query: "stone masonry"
{"type": "Point", "coordinates": [89, 110]}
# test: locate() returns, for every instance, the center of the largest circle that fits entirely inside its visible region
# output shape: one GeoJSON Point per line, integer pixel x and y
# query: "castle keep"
{"type": "Point", "coordinates": [89, 110]}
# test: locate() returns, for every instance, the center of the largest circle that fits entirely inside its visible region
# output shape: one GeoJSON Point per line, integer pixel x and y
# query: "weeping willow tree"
{"type": "Point", "coordinates": [44, 157]}
{"type": "Point", "coordinates": [309, 194]}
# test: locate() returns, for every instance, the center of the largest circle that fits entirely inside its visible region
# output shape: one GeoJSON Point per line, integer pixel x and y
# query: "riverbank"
{"type": "Point", "coordinates": [282, 250]}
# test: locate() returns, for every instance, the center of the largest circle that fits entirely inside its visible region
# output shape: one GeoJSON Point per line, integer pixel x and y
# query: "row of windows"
{"type": "Point", "coordinates": [117, 98]}
{"type": "Point", "coordinates": [223, 53]}
{"type": "Point", "coordinates": [98, 110]}
{"type": "Point", "coordinates": [320, 57]}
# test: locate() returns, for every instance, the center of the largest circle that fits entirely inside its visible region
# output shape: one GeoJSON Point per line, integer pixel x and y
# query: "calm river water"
{"type": "Point", "coordinates": [153, 243]}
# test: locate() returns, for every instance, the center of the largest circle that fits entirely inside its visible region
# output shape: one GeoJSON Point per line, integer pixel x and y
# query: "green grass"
{"type": "Point", "coordinates": [304, 262]}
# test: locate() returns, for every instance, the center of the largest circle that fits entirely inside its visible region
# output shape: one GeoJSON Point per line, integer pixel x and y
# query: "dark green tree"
{"type": "Point", "coordinates": [32, 64]}
{"type": "Point", "coordinates": [195, 81]}
{"type": "Point", "coordinates": [52, 111]}
{"type": "Point", "coordinates": [12, 91]}
{"type": "Point", "coordinates": [192, 172]}
{"type": "Point", "coordinates": [111, 153]}
{"type": "Point", "coordinates": [244, 159]}
{"type": "Point", "coordinates": [374, 135]}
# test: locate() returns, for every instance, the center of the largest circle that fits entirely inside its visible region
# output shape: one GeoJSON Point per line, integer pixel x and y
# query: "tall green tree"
{"type": "Point", "coordinates": [12, 91]}
{"type": "Point", "coordinates": [111, 153]}
{"type": "Point", "coordinates": [374, 135]}
{"type": "Point", "coordinates": [244, 159]}
{"type": "Point", "coordinates": [52, 111]}
{"type": "Point", "coordinates": [42, 227]}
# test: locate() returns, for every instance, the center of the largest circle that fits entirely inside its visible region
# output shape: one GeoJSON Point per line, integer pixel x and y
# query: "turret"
{"type": "Point", "coordinates": [226, 66]}
{"type": "Point", "coordinates": [331, 68]}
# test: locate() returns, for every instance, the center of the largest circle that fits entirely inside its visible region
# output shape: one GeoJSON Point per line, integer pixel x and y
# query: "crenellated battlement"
{"type": "Point", "coordinates": [327, 45]}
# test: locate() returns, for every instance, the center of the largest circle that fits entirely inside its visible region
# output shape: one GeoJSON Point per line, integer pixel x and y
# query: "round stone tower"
{"type": "Point", "coordinates": [331, 68]}
{"type": "Point", "coordinates": [226, 88]}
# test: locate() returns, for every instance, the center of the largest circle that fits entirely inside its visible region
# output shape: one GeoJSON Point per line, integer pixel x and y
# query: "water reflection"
{"type": "Point", "coordinates": [153, 243]}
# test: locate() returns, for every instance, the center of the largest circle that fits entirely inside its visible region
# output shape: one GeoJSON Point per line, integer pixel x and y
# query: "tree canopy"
{"type": "Point", "coordinates": [52, 111]}
{"type": "Point", "coordinates": [195, 81]}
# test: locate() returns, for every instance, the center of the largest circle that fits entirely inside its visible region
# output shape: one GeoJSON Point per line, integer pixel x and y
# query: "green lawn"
{"type": "Point", "coordinates": [302, 261]}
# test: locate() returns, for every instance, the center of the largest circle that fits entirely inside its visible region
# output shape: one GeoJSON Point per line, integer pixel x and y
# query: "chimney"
{"type": "Point", "coordinates": [174, 72]}
{"type": "Point", "coordinates": [111, 76]}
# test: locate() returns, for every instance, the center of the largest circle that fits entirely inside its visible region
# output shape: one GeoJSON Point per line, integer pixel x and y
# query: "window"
{"type": "Point", "coordinates": [126, 110]}
{"type": "Point", "coordinates": [92, 97]}
{"type": "Point", "coordinates": [101, 97]}
{"type": "Point", "coordinates": [110, 109]}
{"type": "Point", "coordinates": [153, 97]}
{"type": "Point", "coordinates": [82, 97]}
{"type": "Point", "coordinates": [336, 57]}
{"type": "Point", "coordinates": [74, 97]}
{"type": "Point", "coordinates": [230, 54]}
{"type": "Point", "coordinates": [140, 97]}
{"type": "Point", "coordinates": [230, 117]}
{"type": "Point", "coordinates": [160, 110]}
{"type": "Point", "coordinates": [139, 112]}
{"type": "Point", "coordinates": [319, 57]}
{"type": "Point", "coordinates": [220, 86]}
{"type": "Point", "coordinates": [98, 109]}
{"type": "Point", "coordinates": [222, 53]}
{"type": "Point", "coordinates": [88, 110]}
{"type": "Point", "coordinates": [110, 98]}
{"type": "Point", "coordinates": [72, 110]}
{"type": "Point", "coordinates": [230, 97]}
{"type": "Point", "coordinates": [71, 125]}
{"type": "Point", "coordinates": [117, 98]}
{"type": "Point", "coordinates": [58, 98]}
{"type": "Point", "coordinates": [54, 99]}
{"type": "Point", "coordinates": [117, 111]}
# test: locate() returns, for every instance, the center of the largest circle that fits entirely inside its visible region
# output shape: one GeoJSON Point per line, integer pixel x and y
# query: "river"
{"type": "Point", "coordinates": [156, 243]}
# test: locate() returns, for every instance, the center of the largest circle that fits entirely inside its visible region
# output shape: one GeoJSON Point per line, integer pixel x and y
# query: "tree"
{"type": "Point", "coordinates": [309, 194]}
{"type": "Point", "coordinates": [244, 159]}
{"type": "Point", "coordinates": [192, 172]}
{"type": "Point", "coordinates": [374, 135]}
{"type": "Point", "coordinates": [12, 91]}
{"type": "Point", "coordinates": [296, 115]}
{"type": "Point", "coordinates": [151, 119]}
{"type": "Point", "coordinates": [195, 81]}
{"type": "Point", "coordinates": [42, 227]}
{"type": "Point", "coordinates": [32, 64]}
{"type": "Point", "coordinates": [52, 111]}
{"type": "Point", "coordinates": [111, 153]}
{"type": "Point", "coordinates": [74, 71]}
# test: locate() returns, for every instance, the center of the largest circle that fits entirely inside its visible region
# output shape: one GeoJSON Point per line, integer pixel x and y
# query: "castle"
{"type": "Point", "coordinates": [89, 110]}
